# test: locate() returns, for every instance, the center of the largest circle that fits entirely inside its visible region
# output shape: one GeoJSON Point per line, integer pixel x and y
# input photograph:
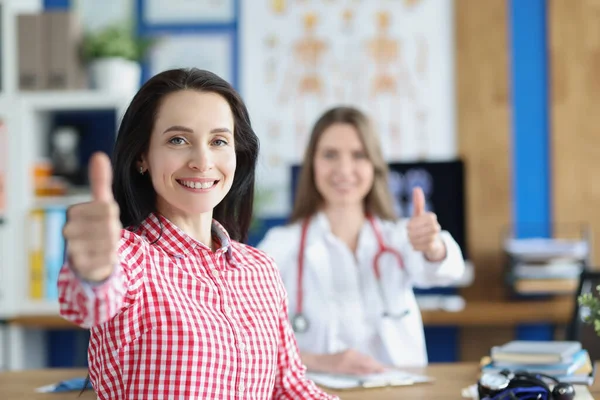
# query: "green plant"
{"type": "Point", "coordinates": [592, 314]}
{"type": "Point", "coordinates": [119, 40]}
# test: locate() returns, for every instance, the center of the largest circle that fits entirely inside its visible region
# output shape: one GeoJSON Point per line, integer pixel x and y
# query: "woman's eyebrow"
{"type": "Point", "coordinates": [178, 128]}
{"type": "Point", "coordinates": [221, 130]}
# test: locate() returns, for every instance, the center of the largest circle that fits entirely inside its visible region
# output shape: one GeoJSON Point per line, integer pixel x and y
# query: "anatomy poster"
{"type": "Point", "coordinates": [394, 59]}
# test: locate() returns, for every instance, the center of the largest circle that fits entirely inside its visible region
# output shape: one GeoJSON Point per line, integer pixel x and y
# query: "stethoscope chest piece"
{"type": "Point", "coordinates": [299, 323]}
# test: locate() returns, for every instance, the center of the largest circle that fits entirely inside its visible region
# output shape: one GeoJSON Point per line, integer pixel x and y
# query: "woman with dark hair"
{"type": "Point", "coordinates": [349, 263]}
{"type": "Point", "coordinates": [178, 308]}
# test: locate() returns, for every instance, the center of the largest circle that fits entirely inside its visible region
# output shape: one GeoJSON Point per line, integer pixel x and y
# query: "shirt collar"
{"type": "Point", "coordinates": [324, 226]}
{"type": "Point", "coordinates": [161, 231]}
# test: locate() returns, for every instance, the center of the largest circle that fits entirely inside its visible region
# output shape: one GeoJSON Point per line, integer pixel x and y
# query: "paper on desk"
{"type": "Point", "coordinates": [390, 377]}
{"type": "Point", "coordinates": [70, 385]}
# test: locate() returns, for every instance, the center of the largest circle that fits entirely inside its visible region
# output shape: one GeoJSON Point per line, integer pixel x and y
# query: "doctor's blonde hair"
{"type": "Point", "coordinates": [379, 199]}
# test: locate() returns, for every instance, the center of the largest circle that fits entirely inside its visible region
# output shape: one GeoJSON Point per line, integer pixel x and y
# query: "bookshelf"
{"type": "Point", "coordinates": [29, 117]}
{"type": "Point", "coordinates": [50, 101]}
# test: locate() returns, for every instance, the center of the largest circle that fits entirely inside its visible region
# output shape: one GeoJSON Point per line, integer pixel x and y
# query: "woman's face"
{"type": "Point", "coordinates": [191, 157]}
{"type": "Point", "coordinates": [343, 172]}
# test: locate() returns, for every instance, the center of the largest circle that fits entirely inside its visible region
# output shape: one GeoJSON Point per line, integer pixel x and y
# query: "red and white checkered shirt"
{"type": "Point", "coordinates": [178, 321]}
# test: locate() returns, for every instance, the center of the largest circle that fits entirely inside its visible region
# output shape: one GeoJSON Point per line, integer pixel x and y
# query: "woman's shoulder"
{"type": "Point", "coordinates": [277, 246]}
{"type": "Point", "coordinates": [134, 235]}
{"type": "Point", "coordinates": [249, 257]}
{"type": "Point", "coordinates": [247, 254]}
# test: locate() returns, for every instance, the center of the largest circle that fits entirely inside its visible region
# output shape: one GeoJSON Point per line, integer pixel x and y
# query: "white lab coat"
{"type": "Point", "coordinates": [341, 300]}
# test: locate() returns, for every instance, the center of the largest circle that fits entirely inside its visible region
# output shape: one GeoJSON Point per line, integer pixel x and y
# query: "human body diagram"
{"type": "Point", "coordinates": [373, 72]}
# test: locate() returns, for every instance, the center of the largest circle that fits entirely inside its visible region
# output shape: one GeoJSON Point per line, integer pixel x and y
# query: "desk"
{"type": "Point", "coordinates": [475, 314]}
{"type": "Point", "coordinates": [450, 380]}
{"type": "Point", "coordinates": [463, 335]}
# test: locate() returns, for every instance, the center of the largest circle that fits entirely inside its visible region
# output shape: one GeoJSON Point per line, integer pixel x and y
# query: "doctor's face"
{"type": "Point", "coordinates": [191, 158]}
{"type": "Point", "coordinates": [343, 172]}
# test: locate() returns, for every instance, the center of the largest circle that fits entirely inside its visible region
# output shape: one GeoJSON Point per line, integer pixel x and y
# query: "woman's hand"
{"type": "Point", "coordinates": [424, 230]}
{"type": "Point", "coordinates": [93, 229]}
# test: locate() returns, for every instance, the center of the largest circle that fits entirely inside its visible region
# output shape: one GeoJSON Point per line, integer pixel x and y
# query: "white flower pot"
{"type": "Point", "coordinates": [115, 75]}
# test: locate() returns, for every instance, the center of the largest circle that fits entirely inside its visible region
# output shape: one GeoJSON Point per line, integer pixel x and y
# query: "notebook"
{"type": "Point", "coordinates": [535, 352]}
{"type": "Point", "coordinates": [577, 361]}
{"type": "Point", "coordinates": [391, 377]}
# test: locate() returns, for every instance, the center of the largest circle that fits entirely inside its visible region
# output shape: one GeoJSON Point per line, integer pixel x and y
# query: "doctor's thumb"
{"type": "Point", "coordinates": [418, 202]}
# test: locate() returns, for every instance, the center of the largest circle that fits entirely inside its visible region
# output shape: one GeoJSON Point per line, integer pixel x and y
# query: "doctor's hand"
{"type": "Point", "coordinates": [424, 230]}
{"type": "Point", "coordinates": [350, 362]}
{"type": "Point", "coordinates": [93, 229]}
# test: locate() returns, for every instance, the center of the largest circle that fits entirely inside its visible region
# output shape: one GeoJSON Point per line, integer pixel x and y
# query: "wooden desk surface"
{"type": "Point", "coordinates": [508, 313]}
{"type": "Point", "coordinates": [450, 380]}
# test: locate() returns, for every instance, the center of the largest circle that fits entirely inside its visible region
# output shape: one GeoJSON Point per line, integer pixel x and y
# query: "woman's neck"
{"type": "Point", "coordinates": [198, 226]}
{"type": "Point", "coordinates": [346, 223]}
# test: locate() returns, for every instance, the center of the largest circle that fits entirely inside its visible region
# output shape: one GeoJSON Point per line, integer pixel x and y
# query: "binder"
{"type": "Point", "coordinates": [31, 57]}
{"type": "Point", "coordinates": [64, 35]}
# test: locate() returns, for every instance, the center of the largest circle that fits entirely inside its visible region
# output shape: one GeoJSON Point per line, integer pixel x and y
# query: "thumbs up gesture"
{"type": "Point", "coordinates": [424, 230]}
{"type": "Point", "coordinates": [93, 229]}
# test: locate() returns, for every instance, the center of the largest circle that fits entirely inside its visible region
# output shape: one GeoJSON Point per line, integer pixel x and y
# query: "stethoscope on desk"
{"type": "Point", "coordinates": [300, 323]}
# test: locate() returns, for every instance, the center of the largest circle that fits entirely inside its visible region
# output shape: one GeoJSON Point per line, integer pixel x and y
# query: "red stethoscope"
{"type": "Point", "coordinates": [300, 323]}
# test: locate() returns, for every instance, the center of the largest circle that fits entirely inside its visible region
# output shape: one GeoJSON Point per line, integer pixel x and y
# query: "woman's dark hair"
{"type": "Point", "coordinates": [134, 192]}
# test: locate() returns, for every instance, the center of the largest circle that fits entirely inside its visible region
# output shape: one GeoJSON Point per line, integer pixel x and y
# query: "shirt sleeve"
{"type": "Point", "coordinates": [291, 382]}
{"type": "Point", "coordinates": [89, 304]}
{"type": "Point", "coordinates": [425, 273]}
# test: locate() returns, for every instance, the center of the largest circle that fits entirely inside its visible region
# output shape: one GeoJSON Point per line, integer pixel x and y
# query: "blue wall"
{"type": "Point", "coordinates": [530, 125]}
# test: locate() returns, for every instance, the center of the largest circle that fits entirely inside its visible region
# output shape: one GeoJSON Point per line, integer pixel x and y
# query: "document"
{"type": "Point", "coordinates": [391, 377]}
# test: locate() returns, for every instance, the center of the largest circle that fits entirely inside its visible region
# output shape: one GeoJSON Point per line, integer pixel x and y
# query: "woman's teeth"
{"type": "Point", "coordinates": [197, 185]}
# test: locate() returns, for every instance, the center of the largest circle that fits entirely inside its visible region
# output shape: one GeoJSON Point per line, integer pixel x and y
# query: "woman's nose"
{"type": "Point", "coordinates": [345, 165]}
{"type": "Point", "coordinates": [201, 160]}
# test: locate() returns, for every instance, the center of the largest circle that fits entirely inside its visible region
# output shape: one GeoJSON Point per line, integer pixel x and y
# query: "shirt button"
{"type": "Point", "coordinates": [241, 388]}
{"type": "Point", "coordinates": [215, 273]}
{"type": "Point", "coordinates": [227, 310]}
{"type": "Point", "coordinates": [242, 346]}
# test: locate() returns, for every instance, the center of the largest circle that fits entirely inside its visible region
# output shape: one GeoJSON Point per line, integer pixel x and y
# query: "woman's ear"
{"type": "Point", "coordinates": [141, 165]}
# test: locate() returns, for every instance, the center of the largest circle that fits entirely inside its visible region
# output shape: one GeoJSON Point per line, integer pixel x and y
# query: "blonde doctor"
{"type": "Point", "coordinates": [348, 263]}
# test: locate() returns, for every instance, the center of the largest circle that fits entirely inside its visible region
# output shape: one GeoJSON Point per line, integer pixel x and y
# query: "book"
{"type": "Point", "coordinates": [546, 285]}
{"type": "Point", "coordinates": [578, 360]}
{"type": "Point", "coordinates": [583, 374]}
{"type": "Point", "coordinates": [36, 254]}
{"type": "Point", "coordinates": [535, 352]}
{"type": "Point", "coordinates": [54, 246]}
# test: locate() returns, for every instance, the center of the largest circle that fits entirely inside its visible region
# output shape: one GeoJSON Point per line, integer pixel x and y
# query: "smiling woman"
{"type": "Point", "coordinates": [175, 303]}
{"type": "Point", "coordinates": [177, 129]}
{"type": "Point", "coordinates": [191, 158]}
{"type": "Point", "coordinates": [349, 263]}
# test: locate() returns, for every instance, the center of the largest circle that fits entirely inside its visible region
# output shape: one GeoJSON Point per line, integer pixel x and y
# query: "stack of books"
{"type": "Point", "coordinates": [540, 266]}
{"type": "Point", "coordinates": [566, 361]}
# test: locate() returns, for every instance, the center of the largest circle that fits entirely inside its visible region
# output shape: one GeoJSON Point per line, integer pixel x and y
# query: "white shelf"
{"type": "Point", "coordinates": [61, 201]}
{"type": "Point", "coordinates": [74, 100]}
{"type": "Point", "coordinates": [38, 308]}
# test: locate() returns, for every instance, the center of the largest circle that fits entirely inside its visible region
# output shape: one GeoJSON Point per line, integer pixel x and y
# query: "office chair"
{"type": "Point", "coordinates": [577, 329]}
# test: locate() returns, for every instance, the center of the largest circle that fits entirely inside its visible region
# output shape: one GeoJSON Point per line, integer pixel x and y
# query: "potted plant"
{"type": "Point", "coordinates": [113, 55]}
{"type": "Point", "coordinates": [591, 313]}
